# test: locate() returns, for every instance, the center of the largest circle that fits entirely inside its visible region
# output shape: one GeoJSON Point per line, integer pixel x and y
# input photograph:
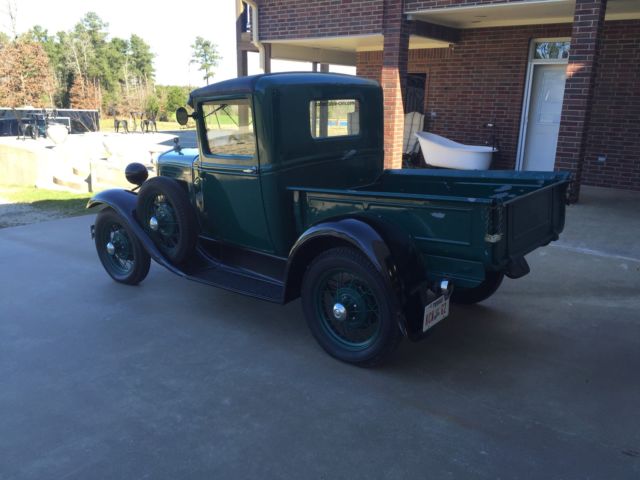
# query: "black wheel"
{"type": "Point", "coordinates": [166, 214]}
{"type": "Point", "coordinates": [348, 308]}
{"type": "Point", "coordinates": [121, 253]}
{"type": "Point", "coordinates": [469, 296]}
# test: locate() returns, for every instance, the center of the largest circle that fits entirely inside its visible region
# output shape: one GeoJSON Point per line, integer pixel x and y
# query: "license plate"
{"type": "Point", "coordinates": [434, 312]}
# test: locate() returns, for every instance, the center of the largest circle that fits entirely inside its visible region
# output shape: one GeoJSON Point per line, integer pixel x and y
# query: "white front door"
{"type": "Point", "coordinates": [543, 120]}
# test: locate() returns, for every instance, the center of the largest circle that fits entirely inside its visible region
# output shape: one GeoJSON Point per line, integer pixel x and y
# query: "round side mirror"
{"type": "Point", "coordinates": [182, 116]}
{"type": "Point", "coordinates": [136, 173]}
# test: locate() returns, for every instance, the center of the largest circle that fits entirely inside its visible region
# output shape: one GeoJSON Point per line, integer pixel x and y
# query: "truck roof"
{"type": "Point", "coordinates": [248, 85]}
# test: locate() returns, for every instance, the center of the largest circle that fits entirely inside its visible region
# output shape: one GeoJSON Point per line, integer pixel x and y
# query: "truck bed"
{"type": "Point", "coordinates": [463, 222]}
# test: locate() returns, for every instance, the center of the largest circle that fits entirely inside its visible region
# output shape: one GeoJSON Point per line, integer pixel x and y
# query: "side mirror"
{"type": "Point", "coordinates": [182, 116]}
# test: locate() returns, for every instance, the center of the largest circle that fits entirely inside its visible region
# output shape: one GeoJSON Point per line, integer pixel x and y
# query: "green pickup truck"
{"type": "Point", "coordinates": [287, 197]}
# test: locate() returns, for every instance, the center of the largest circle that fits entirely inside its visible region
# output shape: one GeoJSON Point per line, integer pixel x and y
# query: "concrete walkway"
{"type": "Point", "coordinates": [177, 380]}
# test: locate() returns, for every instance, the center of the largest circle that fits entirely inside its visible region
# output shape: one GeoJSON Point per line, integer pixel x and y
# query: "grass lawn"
{"type": "Point", "coordinates": [106, 125]}
{"type": "Point", "coordinates": [26, 205]}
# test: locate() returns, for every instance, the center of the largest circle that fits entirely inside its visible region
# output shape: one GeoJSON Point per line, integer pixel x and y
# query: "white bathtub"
{"type": "Point", "coordinates": [442, 152]}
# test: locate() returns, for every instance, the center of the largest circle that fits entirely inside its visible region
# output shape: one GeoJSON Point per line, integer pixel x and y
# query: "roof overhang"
{"type": "Point", "coordinates": [339, 50]}
{"type": "Point", "coordinates": [526, 12]}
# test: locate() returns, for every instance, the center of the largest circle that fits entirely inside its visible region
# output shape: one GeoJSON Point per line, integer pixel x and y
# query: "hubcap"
{"type": "Point", "coordinates": [119, 258]}
{"type": "Point", "coordinates": [348, 309]}
{"type": "Point", "coordinates": [339, 312]}
{"type": "Point", "coordinates": [162, 222]}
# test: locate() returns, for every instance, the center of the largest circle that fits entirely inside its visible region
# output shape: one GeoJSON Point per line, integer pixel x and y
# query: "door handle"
{"type": "Point", "coordinates": [253, 169]}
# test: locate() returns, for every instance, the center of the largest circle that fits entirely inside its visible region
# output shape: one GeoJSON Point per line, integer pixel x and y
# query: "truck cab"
{"type": "Point", "coordinates": [259, 135]}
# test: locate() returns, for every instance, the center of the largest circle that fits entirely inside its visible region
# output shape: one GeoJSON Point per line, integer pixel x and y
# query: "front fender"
{"type": "Point", "coordinates": [124, 203]}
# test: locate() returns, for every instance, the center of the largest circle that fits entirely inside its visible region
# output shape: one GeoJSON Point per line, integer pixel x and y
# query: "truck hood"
{"type": "Point", "coordinates": [177, 164]}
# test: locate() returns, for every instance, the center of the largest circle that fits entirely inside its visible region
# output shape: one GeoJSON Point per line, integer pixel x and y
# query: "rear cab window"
{"type": "Point", "coordinates": [334, 118]}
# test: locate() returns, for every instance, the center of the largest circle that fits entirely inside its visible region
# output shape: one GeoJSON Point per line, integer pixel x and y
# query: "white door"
{"type": "Point", "coordinates": [543, 121]}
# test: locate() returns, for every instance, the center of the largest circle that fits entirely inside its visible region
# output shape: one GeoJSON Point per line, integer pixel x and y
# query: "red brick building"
{"type": "Point", "coordinates": [559, 79]}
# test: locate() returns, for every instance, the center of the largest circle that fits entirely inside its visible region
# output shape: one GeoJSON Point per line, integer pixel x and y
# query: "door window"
{"type": "Point", "coordinates": [549, 96]}
{"type": "Point", "coordinates": [229, 128]}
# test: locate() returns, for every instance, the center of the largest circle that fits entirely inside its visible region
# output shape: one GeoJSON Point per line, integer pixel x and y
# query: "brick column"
{"type": "Point", "coordinates": [586, 35]}
{"type": "Point", "coordinates": [393, 79]}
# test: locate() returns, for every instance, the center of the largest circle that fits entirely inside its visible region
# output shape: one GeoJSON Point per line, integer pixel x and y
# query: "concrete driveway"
{"type": "Point", "coordinates": [177, 380]}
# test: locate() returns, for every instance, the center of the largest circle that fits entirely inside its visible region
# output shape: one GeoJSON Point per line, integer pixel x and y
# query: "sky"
{"type": "Point", "coordinates": [170, 28]}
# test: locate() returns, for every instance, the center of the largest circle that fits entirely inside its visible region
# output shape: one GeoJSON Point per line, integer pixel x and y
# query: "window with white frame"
{"type": "Point", "coordinates": [551, 50]}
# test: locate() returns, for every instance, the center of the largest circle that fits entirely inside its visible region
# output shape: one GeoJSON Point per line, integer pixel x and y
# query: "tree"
{"type": "Point", "coordinates": [53, 47]}
{"type": "Point", "coordinates": [205, 54]}
{"type": "Point", "coordinates": [85, 94]}
{"type": "Point", "coordinates": [141, 59]}
{"type": "Point", "coordinates": [86, 66]}
{"type": "Point", "coordinates": [25, 75]}
{"type": "Point", "coordinates": [4, 39]}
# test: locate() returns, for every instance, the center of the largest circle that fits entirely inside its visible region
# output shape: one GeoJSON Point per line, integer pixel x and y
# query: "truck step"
{"type": "Point", "coordinates": [205, 270]}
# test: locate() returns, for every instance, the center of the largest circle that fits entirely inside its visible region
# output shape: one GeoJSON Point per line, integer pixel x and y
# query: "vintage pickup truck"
{"type": "Point", "coordinates": [287, 197]}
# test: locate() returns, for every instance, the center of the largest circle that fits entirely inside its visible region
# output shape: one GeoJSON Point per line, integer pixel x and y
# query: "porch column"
{"type": "Point", "coordinates": [393, 79]}
{"type": "Point", "coordinates": [588, 22]}
{"type": "Point", "coordinates": [267, 57]}
{"type": "Point", "coordinates": [241, 25]}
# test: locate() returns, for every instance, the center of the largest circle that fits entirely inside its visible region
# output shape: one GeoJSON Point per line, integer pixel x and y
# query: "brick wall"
{"type": "Point", "coordinates": [614, 129]}
{"type": "Point", "coordinates": [413, 5]}
{"type": "Point", "coordinates": [480, 80]}
{"type": "Point", "coordinates": [483, 77]}
{"type": "Point", "coordinates": [586, 38]}
{"type": "Point", "coordinates": [282, 19]}
{"type": "Point", "coordinates": [393, 78]}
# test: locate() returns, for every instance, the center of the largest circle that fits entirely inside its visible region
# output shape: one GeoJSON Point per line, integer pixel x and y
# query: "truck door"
{"type": "Point", "coordinates": [227, 179]}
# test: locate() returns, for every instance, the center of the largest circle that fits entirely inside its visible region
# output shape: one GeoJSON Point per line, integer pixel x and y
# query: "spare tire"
{"type": "Point", "coordinates": [166, 214]}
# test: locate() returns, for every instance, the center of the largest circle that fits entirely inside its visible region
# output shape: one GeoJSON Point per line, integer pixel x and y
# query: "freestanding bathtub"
{"type": "Point", "coordinates": [442, 152]}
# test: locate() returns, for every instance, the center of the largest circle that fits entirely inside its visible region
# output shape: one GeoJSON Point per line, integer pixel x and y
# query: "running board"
{"type": "Point", "coordinates": [204, 269]}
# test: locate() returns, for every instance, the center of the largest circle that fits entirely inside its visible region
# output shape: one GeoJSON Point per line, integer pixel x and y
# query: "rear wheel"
{"type": "Point", "coordinates": [469, 296]}
{"type": "Point", "coordinates": [349, 309]}
{"type": "Point", "coordinates": [166, 214]}
{"type": "Point", "coordinates": [120, 252]}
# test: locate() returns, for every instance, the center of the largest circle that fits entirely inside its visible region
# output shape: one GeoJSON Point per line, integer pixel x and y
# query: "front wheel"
{"type": "Point", "coordinates": [349, 309]}
{"type": "Point", "coordinates": [164, 210]}
{"type": "Point", "coordinates": [120, 252]}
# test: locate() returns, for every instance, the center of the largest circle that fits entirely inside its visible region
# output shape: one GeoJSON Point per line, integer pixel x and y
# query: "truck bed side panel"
{"type": "Point", "coordinates": [450, 235]}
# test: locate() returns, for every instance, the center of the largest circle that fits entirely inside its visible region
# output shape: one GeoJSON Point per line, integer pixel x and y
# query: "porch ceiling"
{"type": "Point", "coordinates": [519, 13]}
{"type": "Point", "coordinates": [343, 47]}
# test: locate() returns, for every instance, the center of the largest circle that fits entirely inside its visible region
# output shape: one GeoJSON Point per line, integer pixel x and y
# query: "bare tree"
{"type": "Point", "coordinates": [11, 8]}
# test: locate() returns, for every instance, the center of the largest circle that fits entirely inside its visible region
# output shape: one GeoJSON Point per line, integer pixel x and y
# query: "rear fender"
{"type": "Point", "coordinates": [124, 204]}
{"type": "Point", "coordinates": [392, 254]}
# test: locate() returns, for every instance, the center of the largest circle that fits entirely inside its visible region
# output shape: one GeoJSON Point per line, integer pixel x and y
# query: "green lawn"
{"type": "Point", "coordinates": [60, 203]}
{"type": "Point", "coordinates": [106, 125]}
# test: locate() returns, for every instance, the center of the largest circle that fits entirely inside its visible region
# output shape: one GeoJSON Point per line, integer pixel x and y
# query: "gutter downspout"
{"type": "Point", "coordinates": [254, 32]}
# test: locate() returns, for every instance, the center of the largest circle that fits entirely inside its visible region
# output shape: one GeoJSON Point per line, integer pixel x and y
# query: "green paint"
{"type": "Point", "coordinates": [265, 201]}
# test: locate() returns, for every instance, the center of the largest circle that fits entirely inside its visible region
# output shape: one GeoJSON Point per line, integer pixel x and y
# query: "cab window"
{"type": "Point", "coordinates": [229, 128]}
{"type": "Point", "coordinates": [334, 118]}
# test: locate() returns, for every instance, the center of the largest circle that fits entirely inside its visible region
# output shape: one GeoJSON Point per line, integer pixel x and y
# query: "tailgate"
{"type": "Point", "coordinates": [535, 219]}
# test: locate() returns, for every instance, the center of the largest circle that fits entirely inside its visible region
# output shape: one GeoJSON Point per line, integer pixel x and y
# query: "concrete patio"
{"type": "Point", "coordinates": [173, 379]}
